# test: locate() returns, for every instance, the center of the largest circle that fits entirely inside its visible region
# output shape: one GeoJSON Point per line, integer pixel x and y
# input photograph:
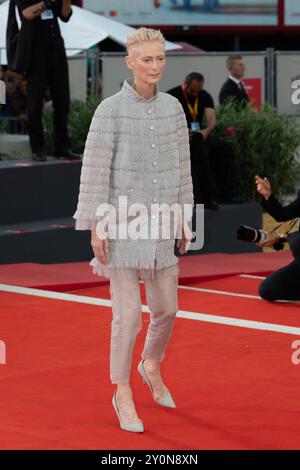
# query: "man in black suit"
{"type": "Point", "coordinates": [283, 284]}
{"type": "Point", "coordinates": [233, 87]}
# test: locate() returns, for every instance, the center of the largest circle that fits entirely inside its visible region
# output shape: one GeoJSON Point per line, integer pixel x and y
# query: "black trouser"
{"type": "Point", "coordinates": [221, 161]}
{"type": "Point", "coordinates": [284, 284]}
{"type": "Point", "coordinates": [202, 175]}
{"type": "Point", "coordinates": [49, 68]}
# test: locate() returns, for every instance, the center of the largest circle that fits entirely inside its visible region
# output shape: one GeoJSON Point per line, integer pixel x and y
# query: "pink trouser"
{"type": "Point", "coordinates": [161, 296]}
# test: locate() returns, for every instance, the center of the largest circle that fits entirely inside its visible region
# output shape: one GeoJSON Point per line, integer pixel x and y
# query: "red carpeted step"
{"type": "Point", "coordinates": [65, 277]}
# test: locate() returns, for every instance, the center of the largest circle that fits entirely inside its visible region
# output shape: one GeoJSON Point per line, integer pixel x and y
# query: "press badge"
{"type": "Point", "coordinates": [47, 15]}
{"type": "Point", "coordinates": [195, 126]}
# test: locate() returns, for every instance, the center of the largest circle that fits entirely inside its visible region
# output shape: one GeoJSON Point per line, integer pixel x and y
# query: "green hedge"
{"type": "Point", "coordinates": [263, 143]}
{"type": "Point", "coordinates": [79, 122]}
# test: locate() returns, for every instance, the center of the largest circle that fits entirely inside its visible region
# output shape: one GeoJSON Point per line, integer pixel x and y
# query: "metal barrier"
{"type": "Point", "coordinates": [102, 73]}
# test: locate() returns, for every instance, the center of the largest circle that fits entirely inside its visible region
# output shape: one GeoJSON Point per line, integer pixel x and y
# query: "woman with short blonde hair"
{"type": "Point", "coordinates": [137, 148]}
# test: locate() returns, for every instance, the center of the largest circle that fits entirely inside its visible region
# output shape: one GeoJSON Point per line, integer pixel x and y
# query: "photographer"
{"type": "Point", "coordinates": [49, 68]}
{"type": "Point", "coordinates": [198, 105]}
{"type": "Point", "coordinates": [283, 284]}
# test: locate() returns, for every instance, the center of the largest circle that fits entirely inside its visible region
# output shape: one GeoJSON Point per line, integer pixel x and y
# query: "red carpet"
{"type": "Point", "coordinates": [235, 388]}
{"type": "Point", "coordinates": [228, 306]}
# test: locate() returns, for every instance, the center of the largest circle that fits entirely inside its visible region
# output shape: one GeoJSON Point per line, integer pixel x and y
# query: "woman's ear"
{"type": "Point", "coordinates": [128, 61]}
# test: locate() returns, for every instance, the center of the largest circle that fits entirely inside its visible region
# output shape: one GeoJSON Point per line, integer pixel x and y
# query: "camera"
{"type": "Point", "coordinates": [250, 234]}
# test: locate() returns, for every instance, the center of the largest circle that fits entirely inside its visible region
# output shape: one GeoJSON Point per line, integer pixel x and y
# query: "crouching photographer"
{"type": "Point", "coordinates": [283, 284]}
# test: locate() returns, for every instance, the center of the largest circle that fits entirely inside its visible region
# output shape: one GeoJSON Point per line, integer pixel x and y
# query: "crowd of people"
{"type": "Point", "coordinates": [211, 158]}
{"type": "Point", "coordinates": [47, 79]}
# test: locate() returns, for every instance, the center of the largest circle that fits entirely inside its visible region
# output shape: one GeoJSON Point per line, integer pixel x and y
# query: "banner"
{"type": "Point", "coordinates": [291, 13]}
{"type": "Point", "coordinates": [188, 12]}
{"type": "Point", "coordinates": [253, 87]}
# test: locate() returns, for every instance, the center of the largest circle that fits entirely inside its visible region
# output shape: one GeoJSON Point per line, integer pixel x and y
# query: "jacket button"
{"type": "Point", "coordinates": [155, 181]}
{"type": "Point", "coordinates": [155, 199]}
{"type": "Point", "coordinates": [149, 111]}
{"type": "Point", "coordinates": [154, 163]}
{"type": "Point", "coordinates": [153, 146]}
{"type": "Point", "coordinates": [151, 128]}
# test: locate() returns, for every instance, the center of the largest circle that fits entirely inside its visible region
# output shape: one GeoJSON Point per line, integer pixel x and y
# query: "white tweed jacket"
{"type": "Point", "coordinates": [138, 148]}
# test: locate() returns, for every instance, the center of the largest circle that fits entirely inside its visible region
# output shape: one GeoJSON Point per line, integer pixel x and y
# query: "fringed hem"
{"type": "Point", "coordinates": [85, 224]}
{"type": "Point", "coordinates": [132, 273]}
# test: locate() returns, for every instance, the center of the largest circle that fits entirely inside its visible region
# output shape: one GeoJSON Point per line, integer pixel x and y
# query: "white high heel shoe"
{"type": "Point", "coordinates": [131, 427]}
{"type": "Point", "coordinates": [166, 399]}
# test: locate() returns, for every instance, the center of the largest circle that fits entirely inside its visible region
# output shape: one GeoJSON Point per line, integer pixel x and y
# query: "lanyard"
{"type": "Point", "coordinates": [193, 111]}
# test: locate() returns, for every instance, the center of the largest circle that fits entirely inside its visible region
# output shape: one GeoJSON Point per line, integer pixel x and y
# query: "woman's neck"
{"type": "Point", "coordinates": [143, 89]}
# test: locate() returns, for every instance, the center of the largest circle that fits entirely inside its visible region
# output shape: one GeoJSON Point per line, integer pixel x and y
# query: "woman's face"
{"type": "Point", "coordinates": [147, 61]}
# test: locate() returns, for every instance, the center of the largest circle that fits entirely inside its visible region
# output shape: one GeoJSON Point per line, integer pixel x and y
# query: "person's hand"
{"type": "Point", "coordinates": [190, 135]}
{"type": "Point", "coordinates": [40, 7]}
{"type": "Point", "coordinates": [204, 133]}
{"type": "Point", "coordinates": [271, 239]}
{"type": "Point", "coordinates": [263, 187]}
{"type": "Point", "coordinates": [184, 242]}
{"type": "Point", "coordinates": [100, 245]}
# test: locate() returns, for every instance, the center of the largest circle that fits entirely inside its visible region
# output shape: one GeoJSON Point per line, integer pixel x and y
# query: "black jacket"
{"type": "Point", "coordinates": [231, 89]}
{"type": "Point", "coordinates": [279, 212]}
{"type": "Point", "coordinates": [46, 33]}
{"type": "Point", "coordinates": [205, 101]}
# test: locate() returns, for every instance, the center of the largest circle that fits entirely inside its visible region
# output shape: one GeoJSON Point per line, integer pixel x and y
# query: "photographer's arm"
{"type": "Point", "coordinates": [33, 11]}
{"type": "Point", "coordinates": [273, 206]}
{"type": "Point", "coordinates": [211, 120]}
{"type": "Point", "coordinates": [272, 239]}
{"type": "Point", "coordinates": [279, 212]}
{"type": "Point", "coordinates": [66, 11]}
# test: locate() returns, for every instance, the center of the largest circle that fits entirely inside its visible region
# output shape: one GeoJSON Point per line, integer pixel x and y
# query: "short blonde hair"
{"type": "Point", "coordinates": [144, 34]}
{"type": "Point", "coordinates": [231, 59]}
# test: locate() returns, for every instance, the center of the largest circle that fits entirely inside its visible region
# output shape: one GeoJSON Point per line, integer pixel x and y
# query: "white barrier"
{"type": "Point", "coordinates": [2, 92]}
{"type": "Point", "coordinates": [287, 72]}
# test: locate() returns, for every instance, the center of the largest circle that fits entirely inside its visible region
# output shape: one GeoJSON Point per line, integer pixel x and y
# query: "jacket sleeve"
{"type": "Point", "coordinates": [65, 19]}
{"type": "Point", "coordinates": [186, 186]}
{"type": "Point", "coordinates": [278, 211]}
{"type": "Point", "coordinates": [96, 168]}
